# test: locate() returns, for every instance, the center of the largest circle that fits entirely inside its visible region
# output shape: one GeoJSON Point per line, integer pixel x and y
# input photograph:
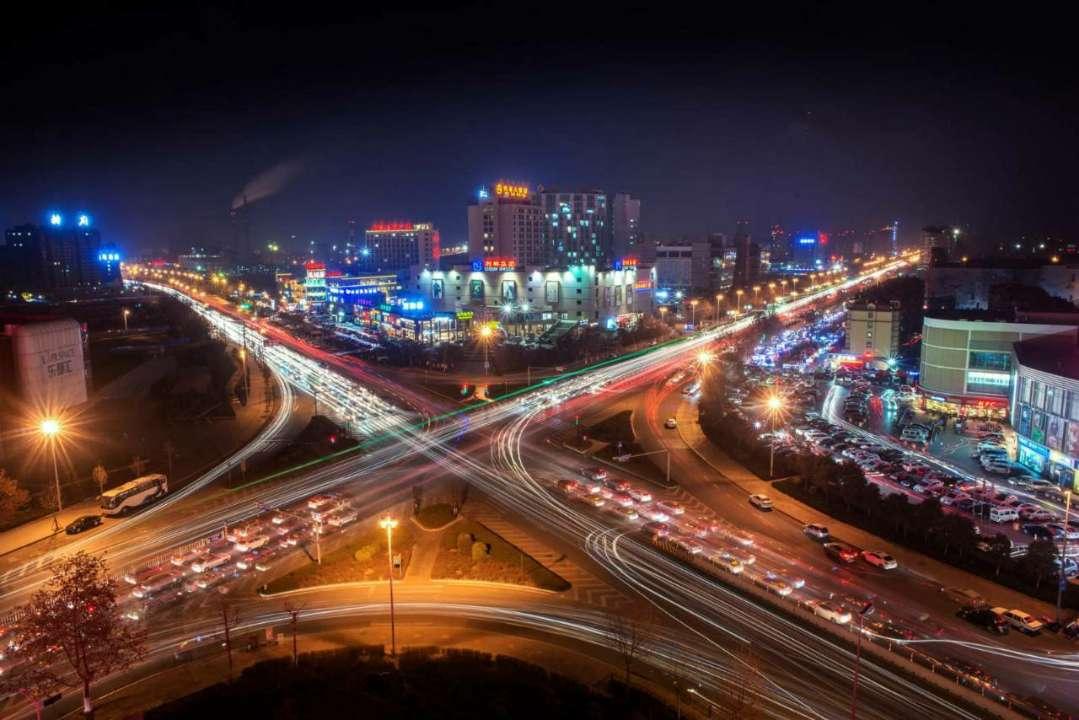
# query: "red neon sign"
{"type": "Point", "coordinates": [394, 226]}
{"type": "Point", "coordinates": [499, 263]}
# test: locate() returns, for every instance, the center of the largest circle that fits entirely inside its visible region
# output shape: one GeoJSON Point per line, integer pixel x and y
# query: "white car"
{"type": "Point", "coordinates": [638, 495]}
{"type": "Point", "coordinates": [654, 514]}
{"type": "Point", "coordinates": [880, 559]}
{"type": "Point", "coordinates": [779, 587]}
{"type": "Point", "coordinates": [181, 559]}
{"type": "Point", "coordinates": [830, 611]}
{"type": "Point", "coordinates": [210, 561]}
{"type": "Point", "coordinates": [816, 531]}
{"type": "Point", "coordinates": [728, 562]}
{"type": "Point", "coordinates": [250, 544]}
{"type": "Point", "coordinates": [671, 506]}
{"type": "Point", "coordinates": [343, 517]}
{"type": "Point", "coordinates": [320, 501]}
{"type": "Point", "coordinates": [761, 502]}
{"type": "Point", "coordinates": [1024, 622]}
{"type": "Point", "coordinates": [670, 423]}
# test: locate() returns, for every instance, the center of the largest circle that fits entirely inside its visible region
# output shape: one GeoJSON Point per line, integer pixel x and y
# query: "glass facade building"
{"type": "Point", "coordinates": [1045, 406]}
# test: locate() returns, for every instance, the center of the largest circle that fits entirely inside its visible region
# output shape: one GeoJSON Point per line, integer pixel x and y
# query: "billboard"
{"type": "Point", "coordinates": [50, 371]}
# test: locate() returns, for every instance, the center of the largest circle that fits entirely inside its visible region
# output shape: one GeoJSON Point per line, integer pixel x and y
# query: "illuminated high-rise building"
{"type": "Point", "coordinates": [397, 246]}
{"type": "Point", "coordinates": [576, 228]}
{"type": "Point", "coordinates": [625, 225]}
{"type": "Point", "coordinates": [506, 222]}
{"type": "Point", "coordinates": [61, 254]}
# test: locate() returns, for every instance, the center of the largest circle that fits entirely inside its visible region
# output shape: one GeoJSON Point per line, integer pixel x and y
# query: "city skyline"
{"type": "Point", "coordinates": [802, 128]}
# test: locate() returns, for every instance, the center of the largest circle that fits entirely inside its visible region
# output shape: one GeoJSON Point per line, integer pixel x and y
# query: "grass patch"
{"type": "Point", "coordinates": [433, 517]}
{"type": "Point", "coordinates": [363, 558]}
{"type": "Point", "coordinates": [613, 429]}
{"type": "Point", "coordinates": [470, 551]}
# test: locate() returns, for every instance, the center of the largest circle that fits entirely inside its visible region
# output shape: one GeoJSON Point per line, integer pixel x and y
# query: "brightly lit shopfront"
{"type": "Point", "coordinates": [1046, 407]}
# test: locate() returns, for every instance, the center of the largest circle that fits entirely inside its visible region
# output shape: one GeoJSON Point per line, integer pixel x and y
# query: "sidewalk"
{"type": "Point", "coordinates": [941, 573]}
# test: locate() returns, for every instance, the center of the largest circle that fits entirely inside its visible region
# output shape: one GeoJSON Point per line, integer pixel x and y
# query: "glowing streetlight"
{"type": "Point", "coordinates": [756, 293]}
{"type": "Point", "coordinates": [50, 429]}
{"type": "Point", "coordinates": [774, 404]}
{"type": "Point", "coordinates": [485, 336]}
{"type": "Point", "coordinates": [719, 299]}
{"type": "Point", "coordinates": [704, 357]}
{"type": "Point", "coordinates": [739, 293]}
{"type": "Point", "coordinates": [126, 313]}
{"type": "Point", "coordinates": [693, 312]}
{"type": "Point", "coordinates": [388, 524]}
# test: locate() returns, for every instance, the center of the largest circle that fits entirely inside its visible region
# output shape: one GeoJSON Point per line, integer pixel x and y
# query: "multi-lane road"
{"type": "Point", "coordinates": [707, 626]}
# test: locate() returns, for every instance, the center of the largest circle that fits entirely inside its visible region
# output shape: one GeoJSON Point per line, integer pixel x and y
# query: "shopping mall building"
{"type": "Point", "coordinates": [1045, 405]}
{"type": "Point", "coordinates": [967, 358]}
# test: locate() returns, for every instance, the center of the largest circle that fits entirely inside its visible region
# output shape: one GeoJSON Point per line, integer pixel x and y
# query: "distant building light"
{"type": "Point", "coordinates": [84, 220]}
{"type": "Point", "coordinates": [56, 219]}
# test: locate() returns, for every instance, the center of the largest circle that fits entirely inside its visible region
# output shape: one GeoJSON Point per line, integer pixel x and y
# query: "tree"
{"type": "Point", "coordinates": [73, 626]}
{"type": "Point", "coordinates": [100, 477]}
{"type": "Point", "coordinates": [12, 497]}
{"type": "Point", "coordinates": [1039, 562]}
{"type": "Point", "coordinates": [138, 465]}
{"type": "Point", "coordinates": [897, 507]}
{"type": "Point", "coordinates": [1000, 550]}
{"type": "Point", "coordinates": [629, 634]}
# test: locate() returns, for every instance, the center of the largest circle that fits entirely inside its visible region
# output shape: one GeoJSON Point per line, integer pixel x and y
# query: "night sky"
{"type": "Point", "coordinates": [155, 121]}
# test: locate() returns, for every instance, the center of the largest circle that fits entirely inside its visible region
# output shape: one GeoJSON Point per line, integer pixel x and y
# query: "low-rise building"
{"type": "Point", "coordinates": [966, 362]}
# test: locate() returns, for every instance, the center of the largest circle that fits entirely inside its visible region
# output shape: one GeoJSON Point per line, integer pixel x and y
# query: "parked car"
{"type": "Point", "coordinates": [816, 531]}
{"type": "Point", "coordinates": [984, 618]}
{"type": "Point", "coordinates": [1024, 622]}
{"type": "Point", "coordinates": [82, 524]}
{"type": "Point", "coordinates": [671, 506]}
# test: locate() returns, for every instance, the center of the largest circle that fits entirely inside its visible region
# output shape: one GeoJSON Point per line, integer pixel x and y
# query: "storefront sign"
{"type": "Point", "coordinates": [509, 190]}
{"type": "Point", "coordinates": [464, 314]}
{"type": "Point", "coordinates": [498, 264]}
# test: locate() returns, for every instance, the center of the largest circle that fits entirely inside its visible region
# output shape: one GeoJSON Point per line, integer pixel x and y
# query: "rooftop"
{"type": "Point", "coordinates": [1007, 316]}
{"type": "Point", "coordinates": [1055, 354]}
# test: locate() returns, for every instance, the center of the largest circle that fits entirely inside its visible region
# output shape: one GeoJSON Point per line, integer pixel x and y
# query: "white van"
{"type": "Point", "coordinates": [1003, 514]}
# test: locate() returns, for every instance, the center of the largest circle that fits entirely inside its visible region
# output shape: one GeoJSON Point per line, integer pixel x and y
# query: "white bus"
{"type": "Point", "coordinates": [131, 495]}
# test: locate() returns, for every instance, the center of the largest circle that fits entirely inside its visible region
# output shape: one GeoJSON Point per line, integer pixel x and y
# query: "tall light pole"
{"type": "Point", "coordinates": [388, 524]}
{"type": "Point", "coordinates": [693, 312]}
{"type": "Point", "coordinates": [125, 313]}
{"type": "Point", "coordinates": [485, 338]}
{"type": "Point", "coordinates": [1063, 579]}
{"type": "Point", "coordinates": [719, 299]}
{"type": "Point", "coordinates": [50, 429]}
{"type": "Point", "coordinates": [774, 406]}
{"type": "Point", "coordinates": [739, 293]}
{"type": "Point", "coordinates": [756, 294]}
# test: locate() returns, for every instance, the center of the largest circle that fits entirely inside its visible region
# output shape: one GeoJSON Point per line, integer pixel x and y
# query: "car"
{"type": "Point", "coordinates": [209, 561]}
{"type": "Point", "coordinates": [595, 501]}
{"type": "Point", "coordinates": [638, 495]}
{"type": "Point", "coordinates": [1038, 532]}
{"type": "Point", "coordinates": [671, 506]}
{"type": "Point", "coordinates": [829, 611]}
{"type": "Point", "coordinates": [569, 487]}
{"type": "Point", "coordinates": [761, 502]}
{"type": "Point", "coordinates": [654, 514]}
{"type": "Point", "coordinates": [1060, 531]}
{"type": "Point", "coordinates": [82, 524]}
{"type": "Point", "coordinates": [670, 423]}
{"type": "Point", "coordinates": [840, 551]}
{"type": "Point", "coordinates": [691, 529]}
{"type": "Point", "coordinates": [626, 513]}
{"type": "Point", "coordinates": [688, 544]}
{"type": "Point", "coordinates": [597, 474]}
{"type": "Point", "coordinates": [622, 499]}
{"type": "Point", "coordinates": [889, 629]}
{"type": "Point", "coordinates": [965, 597]}
{"type": "Point", "coordinates": [252, 543]}
{"type": "Point", "coordinates": [998, 468]}
{"type": "Point", "coordinates": [728, 562]}
{"type": "Point", "coordinates": [319, 501]}
{"type": "Point", "coordinates": [183, 558]}
{"type": "Point", "coordinates": [880, 559]}
{"type": "Point", "coordinates": [343, 517]}
{"type": "Point", "coordinates": [658, 529]}
{"type": "Point", "coordinates": [1021, 621]}
{"type": "Point", "coordinates": [816, 531]}
{"type": "Point", "coordinates": [778, 586]}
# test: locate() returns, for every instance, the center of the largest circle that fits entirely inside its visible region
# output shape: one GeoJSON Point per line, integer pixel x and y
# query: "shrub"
{"type": "Point", "coordinates": [365, 553]}
{"type": "Point", "coordinates": [464, 543]}
{"type": "Point", "coordinates": [480, 551]}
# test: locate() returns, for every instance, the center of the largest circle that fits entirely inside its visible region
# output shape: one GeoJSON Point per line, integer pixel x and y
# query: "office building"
{"type": "Point", "coordinates": [576, 227]}
{"type": "Point", "coordinates": [873, 329]}
{"type": "Point", "coordinates": [60, 255]}
{"type": "Point", "coordinates": [507, 222]}
{"type": "Point", "coordinates": [625, 225]}
{"type": "Point", "coordinates": [968, 283]}
{"type": "Point", "coordinates": [682, 269]}
{"type": "Point", "coordinates": [966, 364]}
{"type": "Point", "coordinates": [936, 241]}
{"type": "Point", "coordinates": [747, 262]}
{"type": "Point", "coordinates": [396, 246]}
{"type": "Point", "coordinates": [1045, 406]}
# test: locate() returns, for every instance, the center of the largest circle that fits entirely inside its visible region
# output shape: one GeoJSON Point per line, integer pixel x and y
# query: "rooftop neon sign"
{"type": "Point", "coordinates": [511, 191]}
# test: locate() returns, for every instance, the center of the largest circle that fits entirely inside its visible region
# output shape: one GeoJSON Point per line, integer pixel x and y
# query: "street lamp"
{"type": "Point", "coordinates": [774, 404]}
{"type": "Point", "coordinates": [1062, 579]}
{"type": "Point", "coordinates": [693, 312]}
{"type": "Point", "coordinates": [756, 293]}
{"type": "Point", "coordinates": [485, 336]}
{"type": "Point", "coordinates": [125, 313]}
{"type": "Point", "coordinates": [719, 299]}
{"type": "Point", "coordinates": [50, 430]}
{"type": "Point", "coordinates": [388, 524]}
{"type": "Point", "coordinates": [739, 292]}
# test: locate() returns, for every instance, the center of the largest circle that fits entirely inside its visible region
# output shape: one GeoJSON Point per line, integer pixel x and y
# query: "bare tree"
{"type": "Point", "coordinates": [138, 465]}
{"type": "Point", "coordinates": [12, 497]}
{"type": "Point", "coordinates": [629, 631]}
{"type": "Point", "coordinates": [100, 476]}
{"type": "Point", "coordinates": [170, 453]}
{"type": "Point", "coordinates": [73, 627]}
{"type": "Point", "coordinates": [744, 691]}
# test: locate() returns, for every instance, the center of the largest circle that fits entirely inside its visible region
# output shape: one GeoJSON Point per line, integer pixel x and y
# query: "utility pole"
{"type": "Point", "coordinates": [857, 662]}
